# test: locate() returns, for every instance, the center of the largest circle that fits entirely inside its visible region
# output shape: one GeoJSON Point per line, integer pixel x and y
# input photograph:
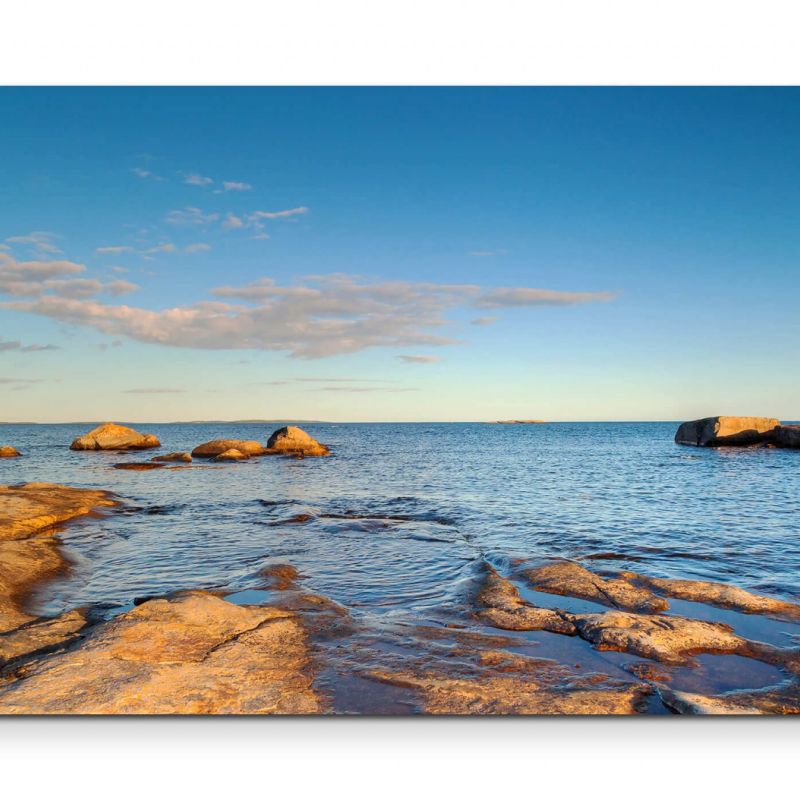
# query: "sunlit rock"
{"type": "Point", "coordinates": [295, 441]}
{"type": "Point", "coordinates": [720, 431]}
{"type": "Point", "coordinates": [218, 446]}
{"type": "Point", "coordinates": [110, 436]}
{"type": "Point", "coordinates": [7, 451]}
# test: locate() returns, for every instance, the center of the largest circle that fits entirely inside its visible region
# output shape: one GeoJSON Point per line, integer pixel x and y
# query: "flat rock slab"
{"type": "Point", "coordinates": [513, 695]}
{"type": "Point", "coordinates": [783, 699]}
{"type": "Point", "coordinates": [502, 607]}
{"type": "Point", "coordinates": [572, 580]}
{"type": "Point", "coordinates": [722, 431]}
{"type": "Point", "coordinates": [23, 564]}
{"type": "Point", "coordinates": [190, 654]}
{"type": "Point", "coordinates": [719, 594]}
{"type": "Point", "coordinates": [40, 635]}
{"type": "Point", "coordinates": [671, 640]}
{"type": "Point", "coordinates": [30, 508]}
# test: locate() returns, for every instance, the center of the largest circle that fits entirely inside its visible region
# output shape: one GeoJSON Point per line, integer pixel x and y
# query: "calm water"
{"type": "Point", "coordinates": [433, 501]}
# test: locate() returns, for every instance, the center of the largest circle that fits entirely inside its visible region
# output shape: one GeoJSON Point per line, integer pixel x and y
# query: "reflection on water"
{"type": "Point", "coordinates": [395, 525]}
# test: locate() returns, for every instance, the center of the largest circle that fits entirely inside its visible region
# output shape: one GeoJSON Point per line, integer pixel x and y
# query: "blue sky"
{"type": "Point", "coordinates": [398, 254]}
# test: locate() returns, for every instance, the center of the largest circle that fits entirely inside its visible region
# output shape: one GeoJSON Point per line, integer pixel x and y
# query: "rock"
{"type": "Point", "coordinates": [7, 451]}
{"type": "Point", "coordinates": [503, 608]}
{"type": "Point", "coordinates": [23, 565]}
{"type": "Point", "coordinates": [217, 447]}
{"type": "Point", "coordinates": [670, 640]}
{"type": "Point", "coordinates": [569, 579]}
{"type": "Point", "coordinates": [40, 635]}
{"type": "Point", "coordinates": [507, 695]}
{"type": "Point", "coordinates": [182, 457]}
{"type": "Point", "coordinates": [110, 436]}
{"type": "Point", "coordinates": [29, 508]}
{"type": "Point", "coordinates": [783, 699]}
{"type": "Point", "coordinates": [280, 576]}
{"type": "Point", "coordinates": [232, 455]}
{"type": "Point", "coordinates": [720, 431]}
{"type": "Point", "coordinates": [787, 436]}
{"type": "Point", "coordinates": [295, 441]}
{"type": "Point", "coordinates": [138, 466]}
{"type": "Point", "coordinates": [191, 654]}
{"type": "Point", "coordinates": [719, 594]}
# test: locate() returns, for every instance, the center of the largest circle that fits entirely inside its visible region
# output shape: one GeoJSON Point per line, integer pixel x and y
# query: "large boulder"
{"type": "Point", "coordinates": [7, 451]}
{"type": "Point", "coordinates": [180, 457]}
{"type": "Point", "coordinates": [110, 436]}
{"type": "Point", "coordinates": [787, 436]}
{"type": "Point", "coordinates": [218, 446]}
{"type": "Point", "coordinates": [721, 431]}
{"type": "Point", "coordinates": [295, 441]}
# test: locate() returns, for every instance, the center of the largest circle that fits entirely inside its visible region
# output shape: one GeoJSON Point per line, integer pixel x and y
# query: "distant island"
{"type": "Point", "coordinates": [518, 422]}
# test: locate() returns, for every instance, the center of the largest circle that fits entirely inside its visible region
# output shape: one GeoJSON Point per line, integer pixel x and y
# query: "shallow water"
{"type": "Point", "coordinates": [405, 514]}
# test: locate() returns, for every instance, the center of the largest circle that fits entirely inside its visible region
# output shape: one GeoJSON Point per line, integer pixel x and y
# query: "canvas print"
{"type": "Point", "coordinates": [391, 401]}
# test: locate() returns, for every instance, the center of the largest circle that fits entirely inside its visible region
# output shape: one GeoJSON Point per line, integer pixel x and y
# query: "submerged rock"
{"type": "Point", "coordinates": [190, 654]}
{"type": "Point", "coordinates": [181, 457]}
{"type": "Point", "coordinates": [110, 436]}
{"type": "Point", "coordinates": [138, 466]}
{"type": "Point", "coordinates": [295, 441]}
{"type": "Point", "coordinates": [504, 608]}
{"type": "Point", "coordinates": [7, 451]}
{"type": "Point", "coordinates": [513, 695]}
{"type": "Point", "coordinates": [217, 447]}
{"type": "Point", "coordinates": [569, 579]}
{"type": "Point", "coordinates": [232, 455]}
{"type": "Point", "coordinates": [720, 431]}
{"type": "Point", "coordinates": [719, 594]}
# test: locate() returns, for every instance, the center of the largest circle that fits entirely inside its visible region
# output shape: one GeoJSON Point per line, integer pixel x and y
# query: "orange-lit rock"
{"type": "Point", "coordinates": [721, 431]}
{"type": "Point", "coordinates": [218, 446]}
{"type": "Point", "coordinates": [110, 436]}
{"type": "Point", "coordinates": [295, 441]}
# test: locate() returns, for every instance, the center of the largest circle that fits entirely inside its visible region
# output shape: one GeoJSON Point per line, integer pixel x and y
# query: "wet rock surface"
{"type": "Point", "coordinates": [292, 440]}
{"type": "Point", "coordinates": [719, 594]}
{"type": "Point", "coordinates": [139, 466]}
{"type": "Point", "coordinates": [510, 695]}
{"type": "Point", "coordinates": [784, 699]}
{"type": "Point", "coordinates": [191, 654]}
{"type": "Point", "coordinates": [40, 635]}
{"type": "Point", "coordinates": [573, 580]}
{"type": "Point", "coordinates": [502, 607]}
{"type": "Point", "coordinates": [111, 436]}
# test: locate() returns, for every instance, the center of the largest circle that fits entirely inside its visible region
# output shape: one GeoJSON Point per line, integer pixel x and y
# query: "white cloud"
{"type": "Point", "coordinates": [194, 179]}
{"type": "Point", "coordinates": [236, 186]}
{"type": "Point", "coordinates": [197, 247]}
{"type": "Point", "coordinates": [17, 346]}
{"type": "Point", "coordinates": [232, 222]}
{"type": "Point", "coordinates": [289, 212]}
{"type": "Point", "coordinates": [113, 249]}
{"type": "Point", "coordinates": [483, 321]}
{"type": "Point", "coordinates": [39, 242]}
{"type": "Point", "coordinates": [190, 216]}
{"type": "Point", "coordinates": [420, 359]}
{"type": "Point", "coordinates": [146, 174]}
{"type": "Point", "coordinates": [325, 316]}
{"type": "Point", "coordinates": [509, 297]}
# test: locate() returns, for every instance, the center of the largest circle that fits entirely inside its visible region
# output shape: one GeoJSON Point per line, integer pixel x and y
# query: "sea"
{"type": "Point", "coordinates": [402, 517]}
